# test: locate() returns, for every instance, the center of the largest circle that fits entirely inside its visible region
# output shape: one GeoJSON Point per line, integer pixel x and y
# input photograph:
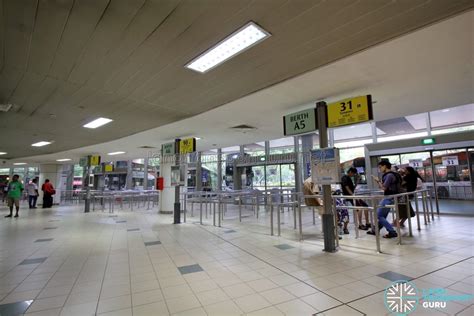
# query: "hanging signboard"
{"type": "Point", "coordinates": [300, 122]}
{"type": "Point", "coordinates": [187, 145]}
{"type": "Point", "coordinates": [325, 166]}
{"type": "Point", "coordinates": [94, 160]}
{"type": "Point", "coordinates": [415, 163]}
{"type": "Point", "coordinates": [168, 149]}
{"type": "Point", "coordinates": [108, 168]}
{"type": "Point", "coordinates": [83, 162]}
{"type": "Point", "coordinates": [450, 161]}
{"type": "Point", "coordinates": [350, 111]}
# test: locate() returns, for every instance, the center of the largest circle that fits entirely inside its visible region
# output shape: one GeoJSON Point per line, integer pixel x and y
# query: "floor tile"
{"type": "Point", "coordinates": [262, 285]}
{"type": "Point", "coordinates": [296, 308]}
{"type": "Point", "coordinates": [190, 269]}
{"type": "Point", "coordinates": [13, 309]}
{"type": "Point", "coordinates": [47, 303]}
{"type": "Point", "coordinates": [251, 303]}
{"type": "Point", "coordinates": [157, 308]}
{"type": "Point", "coordinates": [273, 311]}
{"type": "Point", "coordinates": [394, 276]}
{"type": "Point", "coordinates": [277, 296]}
{"type": "Point", "coordinates": [300, 289]}
{"type": "Point", "coordinates": [147, 297]}
{"type": "Point", "coordinates": [33, 261]}
{"type": "Point", "coordinates": [47, 312]}
{"type": "Point", "coordinates": [152, 243]}
{"type": "Point", "coordinates": [204, 285]}
{"type": "Point", "coordinates": [177, 291]}
{"type": "Point", "coordinates": [114, 303]}
{"type": "Point", "coordinates": [212, 296]}
{"type": "Point", "coordinates": [284, 246]}
{"type": "Point", "coordinates": [192, 312]}
{"type": "Point", "coordinates": [342, 310]}
{"type": "Point", "coordinates": [86, 309]}
{"type": "Point", "coordinates": [320, 301]}
{"type": "Point", "coordinates": [238, 290]}
{"type": "Point", "coordinates": [227, 308]}
{"type": "Point", "coordinates": [180, 304]}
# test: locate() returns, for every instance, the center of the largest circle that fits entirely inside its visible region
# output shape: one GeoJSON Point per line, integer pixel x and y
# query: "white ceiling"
{"type": "Point", "coordinates": [426, 70]}
{"type": "Point", "coordinates": [66, 62]}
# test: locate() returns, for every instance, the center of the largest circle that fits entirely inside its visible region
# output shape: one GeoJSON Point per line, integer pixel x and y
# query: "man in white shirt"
{"type": "Point", "coordinates": [32, 188]}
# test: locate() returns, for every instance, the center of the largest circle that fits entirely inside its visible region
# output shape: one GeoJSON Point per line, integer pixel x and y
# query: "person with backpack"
{"type": "Point", "coordinates": [390, 184]}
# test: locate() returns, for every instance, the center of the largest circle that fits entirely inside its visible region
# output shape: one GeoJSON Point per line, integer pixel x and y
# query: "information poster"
{"type": "Point", "coordinates": [325, 166]}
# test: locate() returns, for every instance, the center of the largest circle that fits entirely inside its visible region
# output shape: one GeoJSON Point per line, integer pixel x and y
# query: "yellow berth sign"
{"type": "Point", "coordinates": [350, 111]}
{"type": "Point", "coordinates": [94, 160]}
{"type": "Point", "coordinates": [187, 145]}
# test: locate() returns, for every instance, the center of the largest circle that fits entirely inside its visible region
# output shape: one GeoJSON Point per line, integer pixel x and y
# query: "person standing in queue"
{"type": "Point", "coordinates": [15, 189]}
{"type": "Point", "coordinates": [32, 188]}
{"type": "Point", "coordinates": [48, 192]}
{"type": "Point", "coordinates": [348, 188]}
{"type": "Point", "coordinates": [411, 180]}
{"type": "Point", "coordinates": [390, 184]}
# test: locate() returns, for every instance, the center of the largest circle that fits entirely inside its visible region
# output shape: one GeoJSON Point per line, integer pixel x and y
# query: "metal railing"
{"type": "Point", "coordinates": [217, 202]}
{"type": "Point", "coordinates": [101, 199]}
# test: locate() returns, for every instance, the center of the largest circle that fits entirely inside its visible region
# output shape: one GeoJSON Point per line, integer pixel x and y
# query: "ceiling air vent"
{"type": "Point", "coordinates": [243, 127]}
{"type": "Point", "coordinates": [5, 107]}
{"type": "Point", "coordinates": [146, 147]}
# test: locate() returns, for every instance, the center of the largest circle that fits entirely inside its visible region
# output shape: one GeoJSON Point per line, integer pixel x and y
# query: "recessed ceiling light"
{"type": "Point", "coordinates": [237, 42]}
{"type": "Point", "coordinates": [98, 122]}
{"type": "Point", "coordinates": [64, 159]}
{"type": "Point", "coordinates": [198, 138]}
{"type": "Point", "coordinates": [445, 110]}
{"type": "Point", "coordinates": [19, 163]}
{"type": "Point", "coordinates": [40, 144]}
{"type": "Point", "coordinates": [116, 153]}
{"type": "Point", "coordinates": [2, 153]}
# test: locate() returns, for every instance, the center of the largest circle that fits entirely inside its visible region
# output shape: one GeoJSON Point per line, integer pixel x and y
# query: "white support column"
{"type": "Point", "coordinates": [373, 126]}
{"type": "Point", "coordinates": [167, 195]}
{"type": "Point", "coordinates": [428, 123]}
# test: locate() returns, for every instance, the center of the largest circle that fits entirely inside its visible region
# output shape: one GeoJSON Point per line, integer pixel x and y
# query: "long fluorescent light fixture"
{"type": "Point", "coordinates": [64, 159]}
{"type": "Point", "coordinates": [98, 122]}
{"type": "Point", "coordinates": [234, 44]}
{"type": "Point", "coordinates": [2, 153]}
{"type": "Point", "coordinates": [116, 153]}
{"type": "Point", "coordinates": [19, 163]}
{"type": "Point", "coordinates": [40, 144]}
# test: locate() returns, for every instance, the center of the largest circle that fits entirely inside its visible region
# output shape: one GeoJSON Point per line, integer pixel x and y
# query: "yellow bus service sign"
{"type": "Point", "coordinates": [350, 111]}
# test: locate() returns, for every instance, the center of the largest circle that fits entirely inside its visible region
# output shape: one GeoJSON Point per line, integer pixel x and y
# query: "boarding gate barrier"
{"type": "Point", "coordinates": [216, 202]}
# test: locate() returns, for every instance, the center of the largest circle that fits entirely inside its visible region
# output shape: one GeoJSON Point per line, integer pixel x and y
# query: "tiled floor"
{"type": "Point", "coordinates": [138, 263]}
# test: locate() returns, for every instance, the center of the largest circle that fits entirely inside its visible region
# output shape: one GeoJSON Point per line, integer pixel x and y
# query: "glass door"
{"type": "Point", "coordinates": [453, 174]}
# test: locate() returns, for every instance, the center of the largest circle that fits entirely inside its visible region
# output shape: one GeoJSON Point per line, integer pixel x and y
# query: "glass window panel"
{"type": "Point", "coordinates": [453, 130]}
{"type": "Point", "coordinates": [452, 116]}
{"type": "Point", "coordinates": [282, 145]}
{"type": "Point", "coordinates": [273, 176]}
{"type": "Point", "coordinates": [353, 131]}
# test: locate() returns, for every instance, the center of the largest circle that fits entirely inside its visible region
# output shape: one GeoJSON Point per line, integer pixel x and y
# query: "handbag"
{"type": "Point", "coordinates": [403, 210]}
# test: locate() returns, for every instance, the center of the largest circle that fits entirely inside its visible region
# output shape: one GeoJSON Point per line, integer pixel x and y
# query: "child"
{"type": "Point", "coordinates": [342, 215]}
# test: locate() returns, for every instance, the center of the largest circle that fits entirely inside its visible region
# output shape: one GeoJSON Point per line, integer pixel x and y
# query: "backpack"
{"type": "Point", "coordinates": [398, 183]}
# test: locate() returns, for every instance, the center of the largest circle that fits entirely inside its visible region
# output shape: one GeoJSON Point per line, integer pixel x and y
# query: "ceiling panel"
{"type": "Point", "coordinates": [83, 20]}
{"type": "Point", "coordinates": [67, 62]}
{"type": "Point", "coordinates": [51, 19]}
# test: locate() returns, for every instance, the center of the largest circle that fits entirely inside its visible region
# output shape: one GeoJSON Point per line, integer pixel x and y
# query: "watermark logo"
{"type": "Point", "coordinates": [401, 297]}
